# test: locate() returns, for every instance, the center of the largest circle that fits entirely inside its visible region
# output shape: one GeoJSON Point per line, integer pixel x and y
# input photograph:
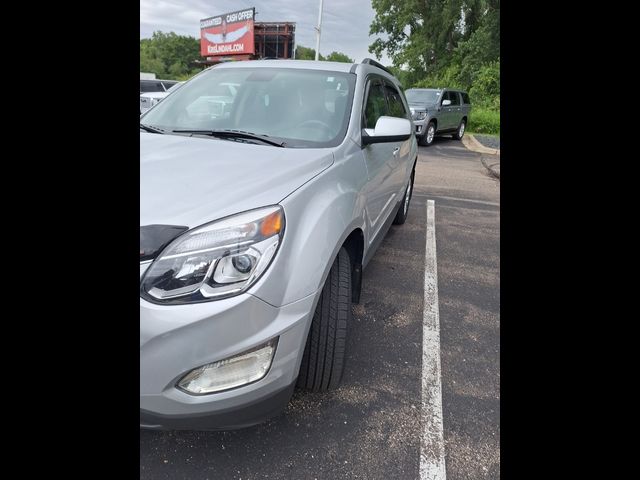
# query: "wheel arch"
{"type": "Point", "coordinates": [354, 245]}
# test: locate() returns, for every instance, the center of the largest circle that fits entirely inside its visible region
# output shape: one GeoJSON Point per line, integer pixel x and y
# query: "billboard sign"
{"type": "Point", "coordinates": [228, 34]}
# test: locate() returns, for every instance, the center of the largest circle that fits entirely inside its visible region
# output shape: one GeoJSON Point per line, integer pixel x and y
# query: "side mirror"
{"type": "Point", "coordinates": [446, 103]}
{"type": "Point", "coordinates": [388, 129]}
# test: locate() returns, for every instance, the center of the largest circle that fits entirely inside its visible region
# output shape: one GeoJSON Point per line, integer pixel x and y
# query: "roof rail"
{"type": "Point", "coordinates": [370, 61]}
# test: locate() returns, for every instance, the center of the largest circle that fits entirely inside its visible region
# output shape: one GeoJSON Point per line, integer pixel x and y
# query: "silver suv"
{"type": "Point", "coordinates": [438, 112]}
{"type": "Point", "coordinates": [256, 221]}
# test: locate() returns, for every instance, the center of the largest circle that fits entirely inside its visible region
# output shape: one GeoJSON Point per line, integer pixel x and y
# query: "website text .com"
{"type": "Point", "coordinates": [235, 47]}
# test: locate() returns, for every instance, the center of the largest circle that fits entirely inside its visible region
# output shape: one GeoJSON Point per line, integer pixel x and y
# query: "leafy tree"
{"type": "Point", "coordinates": [438, 43]}
{"type": "Point", "coordinates": [169, 55]}
{"type": "Point", "coordinates": [306, 53]}
{"type": "Point", "coordinates": [338, 57]}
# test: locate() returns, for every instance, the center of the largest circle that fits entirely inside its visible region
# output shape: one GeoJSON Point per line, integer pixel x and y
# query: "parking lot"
{"type": "Point", "coordinates": [372, 427]}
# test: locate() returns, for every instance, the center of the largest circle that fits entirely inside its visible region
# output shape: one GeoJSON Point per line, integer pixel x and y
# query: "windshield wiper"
{"type": "Point", "coordinates": [151, 129]}
{"type": "Point", "coordinates": [234, 134]}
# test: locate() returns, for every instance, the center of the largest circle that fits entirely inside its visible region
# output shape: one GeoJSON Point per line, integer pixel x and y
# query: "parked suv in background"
{"type": "Point", "coordinates": [147, 86]}
{"type": "Point", "coordinates": [148, 100]}
{"type": "Point", "coordinates": [255, 225]}
{"type": "Point", "coordinates": [438, 112]}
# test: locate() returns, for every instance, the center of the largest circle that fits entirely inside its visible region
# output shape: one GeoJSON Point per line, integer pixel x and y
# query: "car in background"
{"type": "Point", "coordinates": [147, 86]}
{"type": "Point", "coordinates": [148, 100]}
{"type": "Point", "coordinates": [438, 111]}
{"type": "Point", "coordinates": [265, 189]}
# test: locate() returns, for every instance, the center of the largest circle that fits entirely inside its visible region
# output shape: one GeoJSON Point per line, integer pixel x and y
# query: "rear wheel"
{"type": "Point", "coordinates": [461, 128]}
{"type": "Point", "coordinates": [323, 359]}
{"type": "Point", "coordinates": [401, 216]}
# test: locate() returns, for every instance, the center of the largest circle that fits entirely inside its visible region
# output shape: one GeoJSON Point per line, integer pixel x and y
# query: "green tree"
{"type": "Point", "coordinates": [339, 57]}
{"type": "Point", "coordinates": [438, 43]}
{"type": "Point", "coordinates": [306, 53]}
{"type": "Point", "coordinates": [169, 55]}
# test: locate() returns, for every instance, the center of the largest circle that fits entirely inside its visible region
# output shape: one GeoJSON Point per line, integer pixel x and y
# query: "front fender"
{"type": "Point", "coordinates": [320, 215]}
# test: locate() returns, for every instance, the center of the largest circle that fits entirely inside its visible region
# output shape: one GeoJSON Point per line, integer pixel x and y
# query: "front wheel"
{"type": "Point", "coordinates": [460, 132]}
{"type": "Point", "coordinates": [401, 216]}
{"type": "Point", "coordinates": [323, 358]}
{"type": "Point", "coordinates": [429, 134]}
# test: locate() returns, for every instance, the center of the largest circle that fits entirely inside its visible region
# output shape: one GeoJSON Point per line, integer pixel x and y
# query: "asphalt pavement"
{"type": "Point", "coordinates": [489, 141]}
{"type": "Point", "coordinates": [370, 427]}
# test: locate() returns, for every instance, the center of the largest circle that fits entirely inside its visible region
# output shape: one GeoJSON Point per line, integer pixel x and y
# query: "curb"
{"type": "Point", "coordinates": [474, 145]}
{"type": "Point", "coordinates": [491, 171]}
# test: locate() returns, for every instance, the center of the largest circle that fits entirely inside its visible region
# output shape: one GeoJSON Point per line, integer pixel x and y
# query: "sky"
{"type": "Point", "coordinates": [345, 23]}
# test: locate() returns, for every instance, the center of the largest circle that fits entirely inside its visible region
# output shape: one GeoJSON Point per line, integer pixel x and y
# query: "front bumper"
{"type": "Point", "coordinates": [239, 417]}
{"type": "Point", "coordinates": [420, 126]}
{"type": "Point", "coordinates": [174, 339]}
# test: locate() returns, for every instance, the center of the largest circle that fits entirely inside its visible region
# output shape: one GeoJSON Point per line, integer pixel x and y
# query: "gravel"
{"type": "Point", "coordinates": [488, 141]}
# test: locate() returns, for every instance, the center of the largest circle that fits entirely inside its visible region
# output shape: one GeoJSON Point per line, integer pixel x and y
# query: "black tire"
{"type": "Point", "coordinates": [423, 140]}
{"type": "Point", "coordinates": [403, 211]}
{"type": "Point", "coordinates": [323, 359]}
{"type": "Point", "coordinates": [460, 131]}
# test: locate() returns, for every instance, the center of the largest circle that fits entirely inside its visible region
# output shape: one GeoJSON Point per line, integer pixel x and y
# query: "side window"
{"type": "Point", "coordinates": [465, 98]}
{"type": "Point", "coordinates": [376, 105]}
{"type": "Point", "coordinates": [396, 107]}
{"type": "Point", "coordinates": [455, 98]}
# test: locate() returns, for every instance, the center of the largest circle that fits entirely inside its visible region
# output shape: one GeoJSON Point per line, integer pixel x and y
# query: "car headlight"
{"type": "Point", "coordinates": [217, 260]}
{"type": "Point", "coordinates": [154, 101]}
{"type": "Point", "coordinates": [421, 115]}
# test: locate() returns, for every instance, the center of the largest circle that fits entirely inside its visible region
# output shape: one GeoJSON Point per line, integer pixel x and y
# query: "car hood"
{"type": "Point", "coordinates": [189, 181]}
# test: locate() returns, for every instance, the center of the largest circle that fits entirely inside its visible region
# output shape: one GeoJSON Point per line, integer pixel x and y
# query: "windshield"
{"type": "Point", "coordinates": [302, 108]}
{"type": "Point", "coordinates": [422, 96]}
{"type": "Point", "coordinates": [174, 87]}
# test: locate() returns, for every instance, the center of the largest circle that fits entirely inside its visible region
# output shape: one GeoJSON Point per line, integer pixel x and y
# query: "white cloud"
{"type": "Point", "coordinates": [345, 24]}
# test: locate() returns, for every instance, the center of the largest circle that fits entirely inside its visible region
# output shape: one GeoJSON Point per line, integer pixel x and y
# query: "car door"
{"type": "Point", "coordinates": [400, 159]}
{"type": "Point", "coordinates": [380, 191]}
{"type": "Point", "coordinates": [456, 109]}
{"type": "Point", "coordinates": [466, 104]}
{"type": "Point", "coordinates": [445, 122]}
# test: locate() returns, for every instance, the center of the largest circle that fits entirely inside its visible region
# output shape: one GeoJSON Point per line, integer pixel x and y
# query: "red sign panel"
{"type": "Point", "coordinates": [228, 34]}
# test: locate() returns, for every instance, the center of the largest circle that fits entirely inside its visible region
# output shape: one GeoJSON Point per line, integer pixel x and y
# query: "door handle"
{"type": "Point", "coordinates": [395, 152]}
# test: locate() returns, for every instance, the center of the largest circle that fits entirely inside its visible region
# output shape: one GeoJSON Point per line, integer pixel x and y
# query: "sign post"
{"type": "Point", "coordinates": [318, 28]}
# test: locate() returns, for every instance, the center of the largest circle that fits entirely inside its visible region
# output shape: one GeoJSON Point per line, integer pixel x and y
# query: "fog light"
{"type": "Point", "coordinates": [233, 372]}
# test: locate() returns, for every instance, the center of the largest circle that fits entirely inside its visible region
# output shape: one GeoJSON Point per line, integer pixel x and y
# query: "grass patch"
{"type": "Point", "coordinates": [484, 121]}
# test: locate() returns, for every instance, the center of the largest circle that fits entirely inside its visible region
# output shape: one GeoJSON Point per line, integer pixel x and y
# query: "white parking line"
{"type": "Point", "coordinates": [432, 466]}
{"type": "Point", "coordinates": [457, 199]}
